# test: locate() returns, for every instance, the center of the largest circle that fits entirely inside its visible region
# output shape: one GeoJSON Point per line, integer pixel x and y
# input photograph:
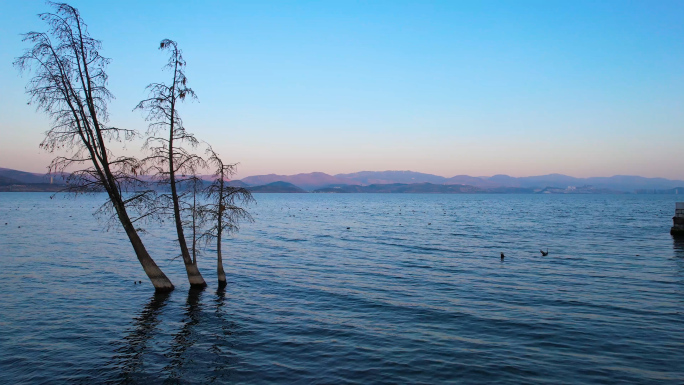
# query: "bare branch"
{"type": "Point", "coordinates": [69, 85]}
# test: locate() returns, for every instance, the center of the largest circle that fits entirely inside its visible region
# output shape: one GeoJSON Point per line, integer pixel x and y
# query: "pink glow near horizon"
{"type": "Point", "coordinates": [443, 88]}
{"type": "Point", "coordinates": [477, 161]}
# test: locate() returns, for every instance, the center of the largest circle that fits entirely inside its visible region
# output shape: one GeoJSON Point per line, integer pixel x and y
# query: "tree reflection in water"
{"type": "Point", "coordinates": [130, 358]}
{"type": "Point", "coordinates": [186, 337]}
{"type": "Point", "coordinates": [222, 349]}
{"type": "Point", "coordinates": [201, 351]}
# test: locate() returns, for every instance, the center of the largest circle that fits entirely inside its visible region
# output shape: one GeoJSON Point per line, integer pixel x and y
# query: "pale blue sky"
{"type": "Point", "coordinates": [444, 87]}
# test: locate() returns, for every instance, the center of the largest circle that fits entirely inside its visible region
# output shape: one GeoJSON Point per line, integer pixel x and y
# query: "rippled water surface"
{"type": "Point", "coordinates": [413, 292]}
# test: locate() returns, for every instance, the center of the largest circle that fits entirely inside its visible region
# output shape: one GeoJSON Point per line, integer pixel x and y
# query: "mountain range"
{"type": "Point", "coordinates": [25, 177]}
{"type": "Point", "coordinates": [319, 180]}
{"type": "Point", "coordinates": [346, 182]}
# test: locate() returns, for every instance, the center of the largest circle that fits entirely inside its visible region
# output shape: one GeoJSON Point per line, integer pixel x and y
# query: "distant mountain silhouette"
{"type": "Point", "coordinates": [318, 180]}
{"type": "Point", "coordinates": [631, 183]}
{"type": "Point", "coordinates": [399, 188]}
{"type": "Point", "coordinates": [236, 183]}
{"type": "Point", "coordinates": [308, 181]}
{"type": "Point", "coordinates": [623, 183]}
{"type": "Point", "coordinates": [430, 188]}
{"type": "Point", "coordinates": [15, 180]}
{"type": "Point", "coordinates": [276, 187]}
{"type": "Point", "coordinates": [474, 181]}
{"type": "Point", "coordinates": [23, 176]}
{"type": "Point", "coordinates": [502, 183]}
{"type": "Point", "coordinates": [676, 190]}
{"type": "Point", "coordinates": [5, 181]}
{"type": "Point", "coordinates": [387, 177]}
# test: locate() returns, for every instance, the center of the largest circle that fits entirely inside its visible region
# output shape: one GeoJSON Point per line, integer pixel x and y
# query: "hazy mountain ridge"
{"type": "Point", "coordinates": [430, 188]}
{"type": "Point", "coordinates": [22, 181]}
{"type": "Point", "coordinates": [403, 188]}
{"type": "Point", "coordinates": [504, 183]}
{"type": "Point", "coordinates": [27, 177]}
{"type": "Point", "coordinates": [308, 181]}
{"type": "Point", "coordinates": [6, 181]}
{"type": "Point", "coordinates": [319, 180]}
{"type": "Point", "coordinates": [276, 187]}
{"type": "Point", "coordinates": [390, 177]}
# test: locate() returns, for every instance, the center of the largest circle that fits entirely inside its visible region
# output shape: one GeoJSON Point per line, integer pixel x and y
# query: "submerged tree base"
{"type": "Point", "coordinates": [194, 276]}
{"type": "Point", "coordinates": [162, 284]}
{"type": "Point", "coordinates": [160, 281]}
{"type": "Point", "coordinates": [221, 274]}
{"type": "Point", "coordinates": [163, 289]}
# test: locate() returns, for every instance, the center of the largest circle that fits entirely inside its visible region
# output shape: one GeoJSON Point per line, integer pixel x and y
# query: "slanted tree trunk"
{"type": "Point", "coordinates": [159, 280]}
{"type": "Point", "coordinates": [69, 84]}
{"type": "Point", "coordinates": [194, 276]}
{"type": "Point", "coordinates": [169, 157]}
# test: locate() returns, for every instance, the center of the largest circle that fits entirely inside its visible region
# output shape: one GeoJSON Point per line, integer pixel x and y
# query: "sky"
{"type": "Point", "coordinates": [583, 88]}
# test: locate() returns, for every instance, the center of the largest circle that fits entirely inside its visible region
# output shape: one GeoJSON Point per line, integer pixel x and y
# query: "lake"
{"type": "Point", "coordinates": [413, 292]}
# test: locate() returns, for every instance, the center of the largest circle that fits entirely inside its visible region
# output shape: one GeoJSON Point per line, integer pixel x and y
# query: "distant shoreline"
{"type": "Point", "coordinates": [393, 182]}
{"type": "Point", "coordinates": [396, 188]}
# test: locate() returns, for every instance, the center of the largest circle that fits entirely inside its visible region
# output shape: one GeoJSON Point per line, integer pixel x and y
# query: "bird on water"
{"type": "Point", "coordinates": [544, 253]}
{"type": "Point", "coordinates": [502, 257]}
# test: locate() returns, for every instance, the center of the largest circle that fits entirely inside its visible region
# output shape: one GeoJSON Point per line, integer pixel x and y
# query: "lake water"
{"type": "Point", "coordinates": [413, 292]}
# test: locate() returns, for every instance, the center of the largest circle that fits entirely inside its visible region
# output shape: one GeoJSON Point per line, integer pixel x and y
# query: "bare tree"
{"type": "Point", "coordinates": [192, 211]}
{"type": "Point", "coordinates": [69, 85]}
{"type": "Point", "coordinates": [222, 211]}
{"type": "Point", "coordinates": [170, 159]}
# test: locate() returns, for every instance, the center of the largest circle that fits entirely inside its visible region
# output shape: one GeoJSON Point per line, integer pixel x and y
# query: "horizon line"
{"type": "Point", "coordinates": [420, 172]}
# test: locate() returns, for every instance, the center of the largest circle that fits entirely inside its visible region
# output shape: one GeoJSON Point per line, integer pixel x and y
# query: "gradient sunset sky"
{"type": "Point", "coordinates": [584, 88]}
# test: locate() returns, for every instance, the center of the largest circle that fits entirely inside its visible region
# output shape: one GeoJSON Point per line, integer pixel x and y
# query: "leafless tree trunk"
{"type": "Point", "coordinates": [222, 209]}
{"type": "Point", "coordinates": [193, 212]}
{"type": "Point", "coordinates": [171, 162]}
{"type": "Point", "coordinates": [69, 85]}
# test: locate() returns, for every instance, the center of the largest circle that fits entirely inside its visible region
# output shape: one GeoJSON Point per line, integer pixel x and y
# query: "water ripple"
{"type": "Point", "coordinates": [412, 292]}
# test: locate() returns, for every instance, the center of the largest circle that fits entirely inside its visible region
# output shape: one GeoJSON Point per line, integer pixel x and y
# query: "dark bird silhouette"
{"type": "Point", "coordinates": [544, 253]}
{"type": "Point", "coordinates": [502, 257]}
